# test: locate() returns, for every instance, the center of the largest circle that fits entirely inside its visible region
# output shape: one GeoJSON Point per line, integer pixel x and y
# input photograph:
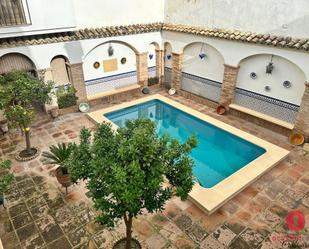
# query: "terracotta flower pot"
{"type": "Point", "coordinates": [54, 112]}
{"type": "Point", "coordinates": [221, 110]}
{"type": "Point", "coordinates": [4, 126]}
{"type": "Point", "coordinates": [63, 179]}
{"type": "Point", "coordinates": [296, 139]}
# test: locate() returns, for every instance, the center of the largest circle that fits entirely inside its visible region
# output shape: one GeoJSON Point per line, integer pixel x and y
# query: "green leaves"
{"type": "Point", "coordinates": [125, 170]}
{"type": "Point", "coordinates": [58, 154]}
{"type": "Point", "coordinates": [20, 116]}
{"type": "Point", "coordinates": [66, 96]}
{"type": "Point", "coordinates": [6, 178]}
{"type": "Point", "coordinates": [19, 88]}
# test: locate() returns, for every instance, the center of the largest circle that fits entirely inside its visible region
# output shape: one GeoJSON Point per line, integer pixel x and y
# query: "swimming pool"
{"type": "Point", "coordinates": [218, 154]}
{"type": "Point", "coordinates": [227, 159]}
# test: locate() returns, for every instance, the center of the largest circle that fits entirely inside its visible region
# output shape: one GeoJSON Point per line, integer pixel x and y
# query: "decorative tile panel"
{"type": "Point", "coordinates": [206, 88]}
{"type": "Point", "coordinates": [167, 77]}
{"type": "Point", "coordinates": [152, 72]}
{"type": "Point", "coordinates": [110, 83]}
{"type": "Point", "coordinates": [267, 105]}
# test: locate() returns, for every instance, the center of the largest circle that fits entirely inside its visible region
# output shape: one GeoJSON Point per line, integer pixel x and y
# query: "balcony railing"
{"type": "Point", "coordinates": [12, 13]}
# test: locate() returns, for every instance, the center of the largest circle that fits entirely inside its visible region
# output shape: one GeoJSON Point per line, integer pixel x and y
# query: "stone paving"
{"type": "Point", "coordinates": [39, 213]}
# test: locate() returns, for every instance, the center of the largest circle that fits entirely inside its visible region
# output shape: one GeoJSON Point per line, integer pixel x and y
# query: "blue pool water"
{"type": "Point", "coordinates": [218, 154]}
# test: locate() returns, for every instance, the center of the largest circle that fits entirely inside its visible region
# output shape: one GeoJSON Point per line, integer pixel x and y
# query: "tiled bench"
{"type": "Point", "coordinates": [113, 92]}
{"type": "Point", "coordinates": [261, 119]}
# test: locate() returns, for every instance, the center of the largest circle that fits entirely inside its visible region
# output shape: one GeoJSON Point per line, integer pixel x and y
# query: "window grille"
{"type": "Point", "coordinates": [12, 13]}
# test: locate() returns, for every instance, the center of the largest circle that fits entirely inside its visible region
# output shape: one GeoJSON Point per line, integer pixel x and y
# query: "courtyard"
{"type": "Point", "coordinates": [40, 214]}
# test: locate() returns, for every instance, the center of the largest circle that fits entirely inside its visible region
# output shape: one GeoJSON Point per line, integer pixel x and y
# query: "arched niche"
{"type": "Point", "coordinates": [203, 60]}
{"type": "Point", "coordinates": [151, 61]}
{"type": "Point", "coordinates": [109, 65]}
{"type": "Point", "coordinates": [17, 61]}
{"type": "Point", "coordinates": [168, 57]}
{"type": "Point", "coordinates": [283, 70]}
{"type": "Point", "coordinates": [61, 70]}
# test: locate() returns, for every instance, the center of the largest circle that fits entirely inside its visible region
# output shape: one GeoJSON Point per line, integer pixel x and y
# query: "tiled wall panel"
{"type": "Point", "coordinates": [109, 83]}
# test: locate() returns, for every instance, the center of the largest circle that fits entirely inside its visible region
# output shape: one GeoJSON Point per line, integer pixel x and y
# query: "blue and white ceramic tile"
{"type": "Point", "coordinates": [206, 88]}
{"type": "Point", "coordinates": [151, 72]}
{"type": "Point", "coordinates": [110, 83]}
{"type": "Point", "coordinates": [267, 105]}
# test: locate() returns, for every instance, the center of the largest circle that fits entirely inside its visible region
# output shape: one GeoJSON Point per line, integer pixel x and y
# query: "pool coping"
{"type": "Point", "coordinates": [210, 199]}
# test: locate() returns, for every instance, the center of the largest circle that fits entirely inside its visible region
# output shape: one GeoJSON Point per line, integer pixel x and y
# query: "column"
{"type": "Point", "coordinates": [176, 70]}
{"type": "Point", "coordinates": [302, 120]}
{"type": "Point", "coordinates": [142, 69]}
{"type": "Point", "coordinates": [228, 85]}
{"type": "Point", "coordinates": [78, 81]}
{"type": "Point", "coordinates": [160, 65]}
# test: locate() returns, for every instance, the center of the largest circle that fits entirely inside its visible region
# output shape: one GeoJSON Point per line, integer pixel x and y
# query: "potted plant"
{"type": "Point", "coordinates": [125, 171]}
{"type": "Point", "coordinates": [4, 126]}
{"type": "Point", "coordinates": [19, 92]}
{"type": "Point", "coordinates": [6, 179]}
{"type": "Point", "coordinates": [58, 155]}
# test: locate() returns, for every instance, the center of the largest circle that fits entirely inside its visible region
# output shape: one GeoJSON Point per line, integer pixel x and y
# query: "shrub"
{"type": "Point", "coordinates": [153, 80]}
{"type": "Point", "coordinates": [66, 96]}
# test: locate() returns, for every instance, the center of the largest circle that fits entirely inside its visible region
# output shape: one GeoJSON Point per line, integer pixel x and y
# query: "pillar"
{"type": "Point", "coordinates": [78, 81]}
{"type": "Point", "coordinates": [160, 65]}
{"type": "Point", "coordinates": [302, 121]}
{"type": "Point", "coordinates": [228, 85]}
{"type": "Point", "coordinates": [142, 69]}
{"type": "Point", "coordinates": [176, 70]}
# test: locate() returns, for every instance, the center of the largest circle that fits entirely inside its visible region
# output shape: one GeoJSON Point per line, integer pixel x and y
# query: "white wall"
{"type": "Point", "coordinates": [100, 54]}
{"type": "Point", "coordinates": [283, 70]}
{"type": "Point", "coordinates": [234, 52]}
{"type": "Point", "coordinates": [152, 50]}
{"type": "Point", "coordinates": [44, 16]}
{"type": "Point", "coordinates": [168, 51]}
{"type": "Point", "coordinates": [285, 17]}
{"type": "Point", "coordinates": [76, 51]}
{"type": "Point", "coordinates": [211, 67]}
{"type": "Point", "coordinates": [99, 13]}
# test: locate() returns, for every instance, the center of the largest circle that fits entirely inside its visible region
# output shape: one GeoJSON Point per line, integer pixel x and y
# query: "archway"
{"type": "Point", "coordinates": [276, 93]}
{"type": "Point", "coordinates": [17, 61]}
{"type": "Point", "coordinates": [61, 70]}
{"type": "Point", "coordinates": [203, 70]}
{"type": "Point", "coordinates": [108, 66]}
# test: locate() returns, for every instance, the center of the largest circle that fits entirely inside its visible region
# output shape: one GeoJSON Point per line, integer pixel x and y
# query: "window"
{"type": "Point", "coordinates": [12, 13]}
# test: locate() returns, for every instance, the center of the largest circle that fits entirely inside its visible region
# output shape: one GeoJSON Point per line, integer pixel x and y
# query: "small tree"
{"type": "Point", "coordinates": [18, 94]}
{"type": "Point", "coordinates": [125, 170]}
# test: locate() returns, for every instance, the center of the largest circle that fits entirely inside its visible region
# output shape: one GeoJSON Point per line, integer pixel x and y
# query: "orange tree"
{"type": "Point", "coordinates": [18, 93]}
{"type": "Point", "coordinates": [125, 170]}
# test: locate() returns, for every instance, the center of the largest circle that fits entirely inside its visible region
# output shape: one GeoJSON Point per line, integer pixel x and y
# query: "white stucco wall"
{"type": "Point", "coordinates": [151, 51]}
{"type": "Point", "coordinates": [283, 70]}
{"type": "Point", "coordinates": [100, 54]}
{"type": "Point", "coordinates": [76, 51]}
{"type": "Point", "coordinates": [286, 17]}
{"type": "Point", "coordinates": [234, 52]}
{"type": "Point", "coordinates": [168, 51]}
{"type": "Point", "coordinates": [98, 13]}
{"type": "Point", "coordinates": [212, 67]}
{"type": "Point", "coordinates": [43, 16]}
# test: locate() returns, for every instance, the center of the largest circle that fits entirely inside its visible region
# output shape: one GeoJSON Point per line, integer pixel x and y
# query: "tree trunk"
{"type": "Point", "coordinates": [28, 145]}
{"type": "Point", "coordinates": [128, 221]}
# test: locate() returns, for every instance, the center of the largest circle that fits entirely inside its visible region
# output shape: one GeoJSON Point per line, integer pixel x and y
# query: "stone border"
{"type": "Point", "coordinates": [26, 159]}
